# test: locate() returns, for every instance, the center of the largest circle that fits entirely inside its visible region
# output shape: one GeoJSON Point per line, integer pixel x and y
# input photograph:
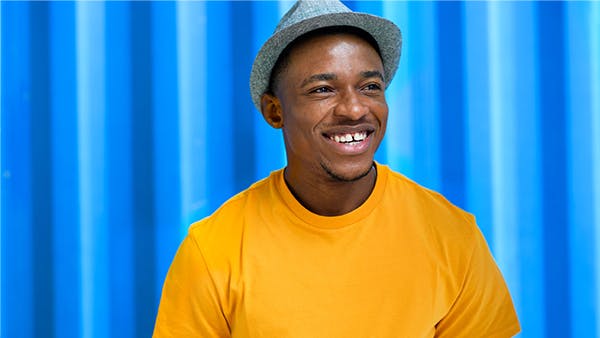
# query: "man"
{"type": "Point", "coordinates": [334, 245]}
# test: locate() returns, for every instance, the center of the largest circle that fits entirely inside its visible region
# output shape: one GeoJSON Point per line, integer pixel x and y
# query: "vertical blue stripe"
{"type": "Point", "coordinates": [243, 137]}
{"type": "Point", "coordinates": [17, 231]}
{"type": "Point", "coordinates": [1, 178]}
{"type": "Point", "coordinates": [413, 126]}
{"type": "Point", "coordinates": [167, 195]}
{"type": "Point", "coordinates": [119, 152]}
{"type": "Point", "coordinates": [268, 141]}
{"type": "Point", "coordinates": [67, 304]}
{"type": "Point", "coordinates": [426, 107]}
{"type": "Point", "coordinates": [594, 33]}
{"type": "Point", "coordinates": [142, 167]}
{"type": "Point", "coordinates": [477, 94]}
{"type": "Point", "coordinates": [552, 104]}
{"type": "Point", "coordinates": [91, 141]}
{"type": "Point", "coordinates": [528, 255]}
{"type": "Point", "coordinates": [224, 132]}
{"type": "Point", "coordinates": [580, 170]}
{"type": "Point", "coordinates": [399, 133]}
{"type": "Point", "coordinates": [191, 52]}
{"type": "Point", "coordinates": [41, 171]}
{"type": "Point", "coordinates": [503, 69]}
{"type": "Point", "coordinates": [451, 100]}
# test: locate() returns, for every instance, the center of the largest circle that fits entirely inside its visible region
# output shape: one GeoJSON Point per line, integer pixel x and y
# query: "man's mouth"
{"type": "Point", "coordinates": [347, 138]}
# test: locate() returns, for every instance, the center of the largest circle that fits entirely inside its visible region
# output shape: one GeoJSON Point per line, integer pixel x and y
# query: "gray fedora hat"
{"type": "Point", "coordinates": [308, 15]}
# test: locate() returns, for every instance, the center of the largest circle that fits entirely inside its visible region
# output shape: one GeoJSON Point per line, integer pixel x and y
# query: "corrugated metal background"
{"type": "Point", "coordinates": [123, 122]}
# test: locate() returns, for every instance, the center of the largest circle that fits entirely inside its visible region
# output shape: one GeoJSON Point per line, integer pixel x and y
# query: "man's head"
{"type": "Point", "coordinates": [329, 101]}
{"type": "Point", "coordinates": [321, 78]}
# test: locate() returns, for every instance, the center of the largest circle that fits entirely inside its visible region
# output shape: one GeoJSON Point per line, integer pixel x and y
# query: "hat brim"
{"type": "Point", "coordinates": [386, 34]}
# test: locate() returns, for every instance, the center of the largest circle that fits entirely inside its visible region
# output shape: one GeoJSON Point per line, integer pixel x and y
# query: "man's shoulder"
{"type": "Point", "coordinates": [229, 218]}
{"type": "Point", "coordinates": [411, 189]}
{"type": "Point", "coordinates": [429, 205]}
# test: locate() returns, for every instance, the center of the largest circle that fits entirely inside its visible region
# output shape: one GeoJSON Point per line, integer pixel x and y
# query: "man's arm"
{"type": "Point", "coordinates": [483, 307]}
{"type": "Point", "coordinates": [190, 305]}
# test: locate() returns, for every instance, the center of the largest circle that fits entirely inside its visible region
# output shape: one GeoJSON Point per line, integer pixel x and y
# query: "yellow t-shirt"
{"type": "Point", "coordinates": [406, 263]}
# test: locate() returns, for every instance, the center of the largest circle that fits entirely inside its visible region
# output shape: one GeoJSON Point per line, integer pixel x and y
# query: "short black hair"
{"type": "Point", "coordinates": [284, 58]}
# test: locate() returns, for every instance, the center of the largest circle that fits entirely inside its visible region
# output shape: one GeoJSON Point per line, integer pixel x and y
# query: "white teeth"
{"type": "Point", "coordinates": [360, 136]}
{"type": "Point", "coordinates": [356, 137]}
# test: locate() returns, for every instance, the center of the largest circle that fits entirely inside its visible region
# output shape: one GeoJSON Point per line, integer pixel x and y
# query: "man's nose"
{"type": "Point", "coordinates": [350, 106]}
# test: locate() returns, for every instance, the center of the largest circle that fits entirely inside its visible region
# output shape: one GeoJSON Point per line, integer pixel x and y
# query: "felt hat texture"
{"type": "Point", "coordinates": [308, 15]}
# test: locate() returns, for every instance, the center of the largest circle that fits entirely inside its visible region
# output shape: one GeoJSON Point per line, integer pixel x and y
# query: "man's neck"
{"type": "Point", "coordinates": [333, 197]}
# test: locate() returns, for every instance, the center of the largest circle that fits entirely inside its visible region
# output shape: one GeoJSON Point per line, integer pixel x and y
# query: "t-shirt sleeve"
{"type": "Point", "coordinates": [190, 305]}
{"type": "Point", "coordinates": [483, 307]}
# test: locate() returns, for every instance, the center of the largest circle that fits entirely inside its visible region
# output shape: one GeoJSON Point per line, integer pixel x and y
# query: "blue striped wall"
{"type": "Point", "coordinates": [123, 122]}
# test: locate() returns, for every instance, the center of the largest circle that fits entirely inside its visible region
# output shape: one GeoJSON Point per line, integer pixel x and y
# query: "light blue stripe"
{"type": "Point", "coordinates": [477, 103]}
{"type": "Point", "coordinates": [502, 126]}
{"type": "Point", "coordinates": [90, 91]}
{"type": "Point", "coordinates": [399, 135]}
{"type": "Point", "coordinates": [529, 298]}
{"type": "Point", "coordinates": [192, 51]}
{"type": "Point", "coordinates": [580, 170]}
{"type": "Point", "coordinates": [1, 176]}
{"type": "Point", "coordinates": [413, 124]}
{"type": "Point", "coordinates": [425, 114]}
{"type": "Point", "coordinates": [594, 31]}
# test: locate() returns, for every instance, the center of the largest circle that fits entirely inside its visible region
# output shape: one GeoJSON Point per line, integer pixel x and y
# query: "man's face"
{"type": "Point", "coordinates": [333, 107]}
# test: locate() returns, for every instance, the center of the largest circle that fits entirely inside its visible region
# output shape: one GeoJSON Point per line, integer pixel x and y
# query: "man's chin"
{"type": "Point", "coordinates": [352, 176]}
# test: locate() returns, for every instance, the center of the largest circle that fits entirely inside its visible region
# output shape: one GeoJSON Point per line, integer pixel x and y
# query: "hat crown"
{"type": "Point", "coordinates": [306, 9]}
{"type": "Point", "coordinates": [309, 15]}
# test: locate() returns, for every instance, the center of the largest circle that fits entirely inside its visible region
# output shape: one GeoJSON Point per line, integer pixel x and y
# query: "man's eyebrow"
{"type": "Point", "coordinates": [318, 77]}
{"type": "Point", "coordinates": [372, 73]}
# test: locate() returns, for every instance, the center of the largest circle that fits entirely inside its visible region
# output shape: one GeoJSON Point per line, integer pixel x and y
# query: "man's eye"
{"type": "Point", "coordinates": [372, 86]}
{"type": "Point", "coordinates": [321, 90]}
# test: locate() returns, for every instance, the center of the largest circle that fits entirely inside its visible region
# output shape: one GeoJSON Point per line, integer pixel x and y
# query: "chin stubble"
{"type": "Point", "coordinates": [339, 178]}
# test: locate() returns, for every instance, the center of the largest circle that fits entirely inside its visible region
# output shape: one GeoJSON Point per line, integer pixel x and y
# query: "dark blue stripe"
{"type": "Point", "coordinates": [221, 128]}
{"type": "Point", "coordinates": [17, 252]}
{"type": "Point", "coordinates": [67, 262]}
{"type": "Point", "coordinates": [450, 57]}
{"type": "Point", "coordinates": [41, 171]}
{"type": "Point", "coordinates": [243, 109]}
{"type": "Point", "coordinates": [166, 126]}
{"type": "Point", "coordinates": [142, 166]}
{"type": "Point", "coordinates": [119, 174]}
{"type": "Point", "coordinates": [551, 70]}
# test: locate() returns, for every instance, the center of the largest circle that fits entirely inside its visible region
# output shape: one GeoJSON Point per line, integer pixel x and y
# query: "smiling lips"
{"type": "Point", "coordinates": [350, 143]}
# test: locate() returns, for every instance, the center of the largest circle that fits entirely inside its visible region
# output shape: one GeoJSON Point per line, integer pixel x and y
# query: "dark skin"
{"type": "Point", "coordinates": [330, 103]}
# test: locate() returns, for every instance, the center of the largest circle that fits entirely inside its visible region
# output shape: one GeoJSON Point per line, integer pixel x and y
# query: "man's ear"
{"type": "Point", "coordinates": [270, 107]}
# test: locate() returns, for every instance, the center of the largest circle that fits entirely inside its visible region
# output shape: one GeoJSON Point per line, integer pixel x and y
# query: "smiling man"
{"type": "Point", "coordinates": [334, 244]}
